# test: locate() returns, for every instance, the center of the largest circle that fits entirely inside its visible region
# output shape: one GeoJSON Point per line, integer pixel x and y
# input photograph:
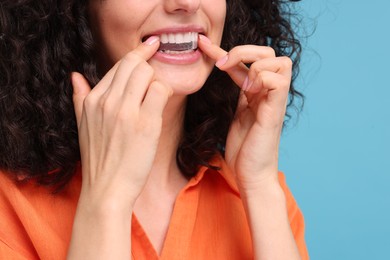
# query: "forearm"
{"type": "Point", "coordinates": [268, 219]}
{"type": "Point", "coordinates": [100, 235]}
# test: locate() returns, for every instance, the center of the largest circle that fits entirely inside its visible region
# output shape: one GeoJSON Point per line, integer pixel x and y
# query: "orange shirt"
{"type": "Point", "coordinates": [208, 221]}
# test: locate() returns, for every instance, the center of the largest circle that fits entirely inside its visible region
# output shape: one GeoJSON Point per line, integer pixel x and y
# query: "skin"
{"type": "Point", "coordinates": [127, 121]}
{"type": "Point", "coordinates": [118, 33]}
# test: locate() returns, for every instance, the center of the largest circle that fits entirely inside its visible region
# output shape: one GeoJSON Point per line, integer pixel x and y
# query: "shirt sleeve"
{"type": "Point", "coordinates": [295, 215]}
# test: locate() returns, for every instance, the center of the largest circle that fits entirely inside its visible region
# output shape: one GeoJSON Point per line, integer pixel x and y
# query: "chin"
{"type": "Point", "coordinates": [181, 85]}
{"type": "Point", "coordinates": [184, 80]}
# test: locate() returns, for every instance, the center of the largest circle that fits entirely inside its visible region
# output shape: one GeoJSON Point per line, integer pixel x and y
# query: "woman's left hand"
{"type": "Point", "coordinates": [253, 142]}
{"type": "Point", "coordinates": [253, 139]}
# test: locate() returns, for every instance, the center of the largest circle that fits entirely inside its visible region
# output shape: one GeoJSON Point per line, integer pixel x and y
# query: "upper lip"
{"type": "Point", "coordinates": [176, 29]}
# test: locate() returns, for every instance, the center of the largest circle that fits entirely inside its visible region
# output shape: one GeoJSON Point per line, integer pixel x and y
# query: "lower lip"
{"type": "Point", "coordinates": [180, 59]}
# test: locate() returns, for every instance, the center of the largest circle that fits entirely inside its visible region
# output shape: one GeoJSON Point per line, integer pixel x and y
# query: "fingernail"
{"type": "Point", "coordinates": [222, 61]}
{"type": "Point", "coordinates": [152, 40]}
{"type": "Point", "coordinates": [250, 84]}
{"type": "Point", "coordinates": [204, 39]}
{"type": "Point", "coordinates": [247, 84]}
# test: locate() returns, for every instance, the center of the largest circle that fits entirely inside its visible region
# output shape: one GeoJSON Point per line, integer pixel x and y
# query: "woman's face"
{"type": "Point", "coordinates": [121, 25]}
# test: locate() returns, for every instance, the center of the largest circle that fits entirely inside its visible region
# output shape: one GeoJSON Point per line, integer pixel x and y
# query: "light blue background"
{"type": "Point", "coordinates": [337, 155]}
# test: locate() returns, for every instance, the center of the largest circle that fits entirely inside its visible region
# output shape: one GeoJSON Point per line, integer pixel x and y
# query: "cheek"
{"type": "Point", "coordinates": [118, 38]}
{"type": "Point", "coordinates": [216, 15]}
{"type": "Point", "coordinates": [217, 12]}
{"type": "Point", "coordinates": [115, 31]}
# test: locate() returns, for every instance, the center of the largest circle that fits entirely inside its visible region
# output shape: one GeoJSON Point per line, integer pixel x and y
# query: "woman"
{"type": "Point", "coordinates": [178, 157]}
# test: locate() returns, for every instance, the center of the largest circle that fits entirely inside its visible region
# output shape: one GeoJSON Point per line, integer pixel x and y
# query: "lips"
{"type": "Point", "coordinates": [178, 39]}
{"type": "Point", "coordinates": [178, 45]}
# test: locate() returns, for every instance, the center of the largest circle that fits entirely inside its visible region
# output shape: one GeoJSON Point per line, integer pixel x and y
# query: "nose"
{"type": "Point", "coordinates": [182, 6]}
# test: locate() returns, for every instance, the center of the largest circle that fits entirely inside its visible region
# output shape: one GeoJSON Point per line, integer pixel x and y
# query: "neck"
{"type": "Point", "coordinates": [165, 172]}
{"type": "Point", "coordinates": [155, 204]}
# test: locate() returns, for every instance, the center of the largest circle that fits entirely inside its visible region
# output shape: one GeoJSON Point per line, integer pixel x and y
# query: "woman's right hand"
{"type": "Point", "coordinates": [119, 124]}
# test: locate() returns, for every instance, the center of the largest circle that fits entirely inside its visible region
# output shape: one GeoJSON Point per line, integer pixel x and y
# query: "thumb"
{"type": "Point", "coordinates": [81, 89]}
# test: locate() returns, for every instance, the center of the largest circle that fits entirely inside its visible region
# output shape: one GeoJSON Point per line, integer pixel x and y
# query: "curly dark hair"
{"type": "Point", "coordinates": [42, 42]}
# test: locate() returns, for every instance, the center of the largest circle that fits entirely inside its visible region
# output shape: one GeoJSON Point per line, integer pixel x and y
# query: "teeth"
{"type": "Point", "coordinates": [178, 42]}
{"type": "Point", "coordinates": [171, 38]}
{"type": "Point", "coordinates": [178, 38]}
{"type": "Point", "coordinates": [164, 38]}
{"type": "Point", "coordinates": [187, 37]}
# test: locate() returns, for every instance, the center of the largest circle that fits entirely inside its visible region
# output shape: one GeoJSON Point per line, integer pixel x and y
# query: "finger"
{"type": "Point", "coordinates": [280, 65]}
{"type": "Point", "coordinates": [237, 73]}
{"type": "Point", "coordinates": [122, 82]}
{"type": "Point", "coordinates": [211, 50]}
{"type": "Point", "coordinates": [118, 74]}
{"type": "Point", "coordinates": [245, 54]}
{"type": "Point", "coordinates": [81, 89]}
{"type": "Point", "coordinates": [155, 100]}
{"type": "Point", "coordinates": [148, 48]}
{"type": "Point", "coordinates": [105, 82]}
{"type": "Point", "coordinates": [140, 79]}
{"type": "Point", "coordinates": [277, 87]}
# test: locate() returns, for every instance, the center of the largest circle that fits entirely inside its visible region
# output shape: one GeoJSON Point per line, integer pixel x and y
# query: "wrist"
{"type": "Point", "coordinates": [265, 194]}
{"type": "Point", "coordinates": [260, 184]}
{"type": "Point", "coordinates": [268, 196]}
{"type": "Point", "coordinates": [104, 208]}
{"type": "Point", "coordinates": [100, 233]}
{"type": "Point", "coordinates": [266, 209]}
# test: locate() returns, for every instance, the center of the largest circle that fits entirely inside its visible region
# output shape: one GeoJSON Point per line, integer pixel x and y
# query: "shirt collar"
{"type": "Point", "coordinates": [223, 170]}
